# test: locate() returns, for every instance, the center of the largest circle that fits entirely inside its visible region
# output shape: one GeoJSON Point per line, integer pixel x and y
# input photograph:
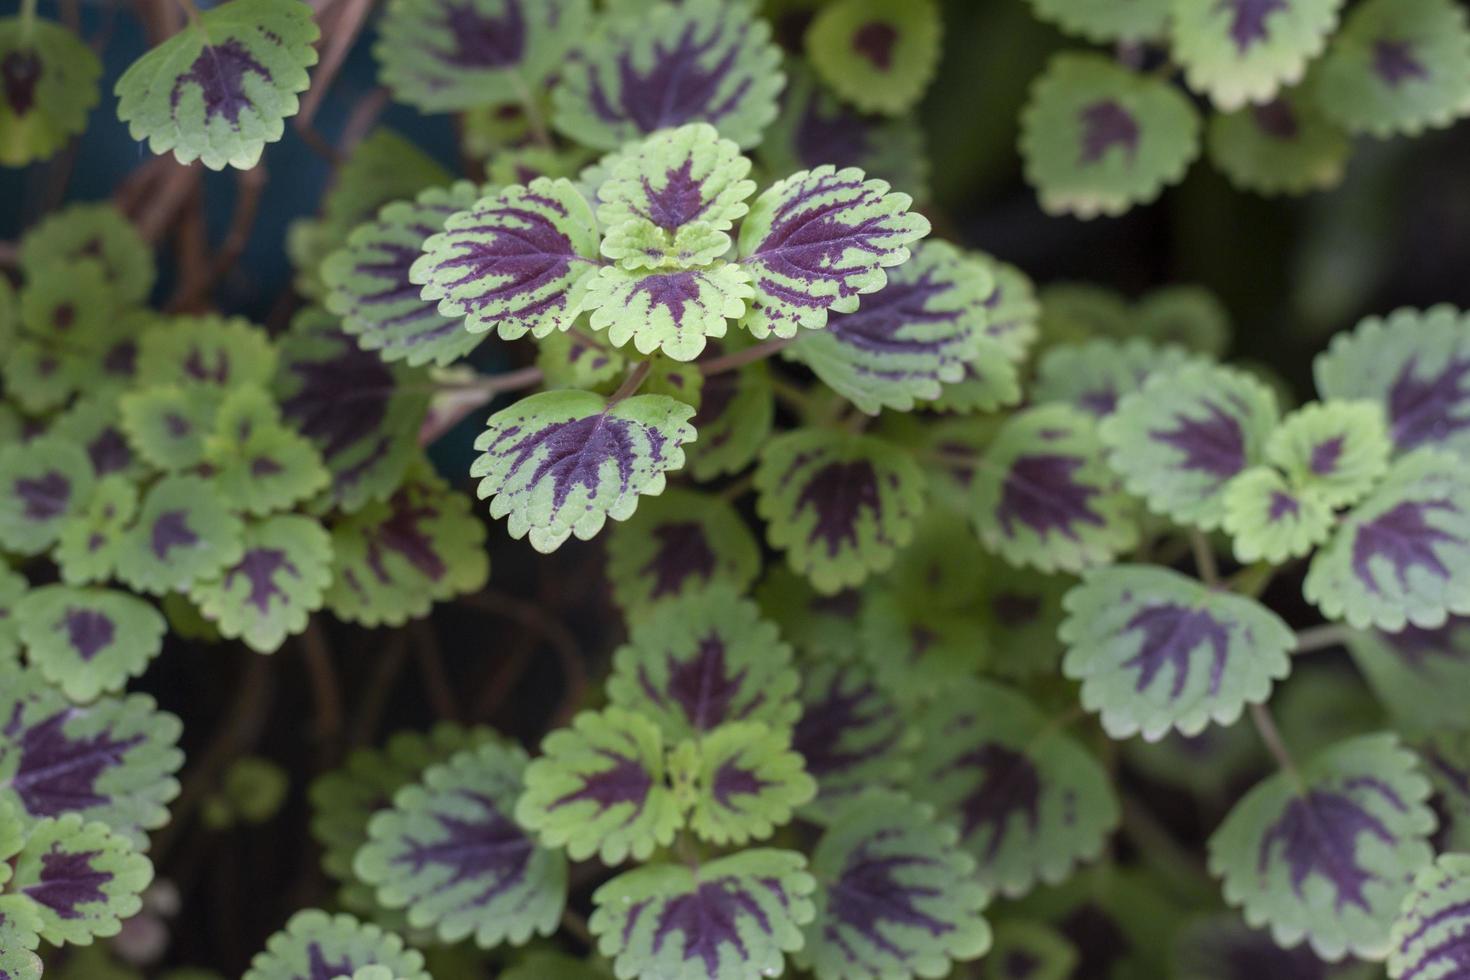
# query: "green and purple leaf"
{"type": "Point", "coordinates": [19, 924]}
{"type": "Point", "coordinates": [1156, 651]}
{"type": "Point", "coordinates": [675, 311]}
{"type": "Point", "coordinates": [450, 854]}
{"type": "Point", "coordinates": [50, 86]}
{"type": "Point", "coordinates": [1431, 937]}
{"type": "Point", "coordinates": [184, 534]}
{"type": "Point", "coordinates": [1327, 855]}
{"type": "Point", "coordinates": [92, 230]}
{"type": "Point", "coordinates": [852, 736]}
{"type": "Point", "coordinates": [1271, 519]}
{"type": "Point", "coordinates": [879, 56]}
{"type": "Point", "coordinates": [82, 879]}
{"type": "Point", "coordinates": [729, 919]}
{"type": "Point", "coordinates": [42, 483]}
{"type": "Point", "coordinates": [1337, 450]}
{"type": "Point", "coordinates": [599, 788]}
{"type": "Point", "coordinates": [1241, 52]}
{"type": "Point", "coordinates": [746, 783]}
{"type": "Point", "coordinates": [318, 946]}
{"type": "Point", "coordinates": [88, 641]}
{"type": "Point", "coordinates": [561, 462]}
{"type": "Point", "coordinates": [1418, 674]}
{"type": "Point", "coordinates": [737, 411]}
{"type": "Point", "coordinates": [259, 465]}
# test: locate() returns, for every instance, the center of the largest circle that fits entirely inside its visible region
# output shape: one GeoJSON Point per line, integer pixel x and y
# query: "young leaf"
{"type": "Point", "coordinates": [1155, 650]}
{"type": "Point", "coordinates": [81, 878]}
{"type": "Point", "coordinates": [1243, 51]}
{"type": "Point", "coordinates": [728, 919]}
{"type": "Point", "coordinates": [896, 896]}
{"type": "Point", "coordinates": [111, 761]}
{"type": "Point", "coordinates": [1285, 146]}
{"type": "Point", "coordinates": [363, 414]}
{"type": "Point", "coordinates": [92, 230]}
{"type": "Point", "coordinates": [42, 483]}
{"type": "Point", "coordinates": [19, 923]}
{"type": "Point", "coordinates": [517, 261]}
{"type": "Point", "coordinates": [737, 410]}
{"type": "Point", "coordinates": [88, 641]}
{"type": "Point", "coordinates": [1402, 556]}
{"type": "Point", "coordinates": [344, 800]}
{"type": "Point", "coordinates": [697, 662]}
{"type": "Point", "coordinates": [315, 945]}
{"type": "Point", "coordinates": [851, 736]}
{"type": "Point", "coordinates": [166, 425]}
{"type": "Point", "coordinates": [576, 360]}
{"type": "Point", "coordinates": [276, 585]}
{"type": "Point", "coordinates": [222, 88]}
{"type": "Point", "coordinates": [443, 55]}
{"type": "Point", "coordinates": [817, 241]}
{"type": "Point", "coordinates": [39, 379]}
{"type": "Point", "coordinates": [877, 54]}
{"type": "Point", "coordinates": [1397, 67]}
{"type": "Point", "coordinates": [909, 339]}
{"type": "Point", "coordinates": [260, 466]}
{"type": "Point", "coordinates": [50, 86]}
{"type": "Point", "coordinates": [1327, 855]}
{"type": "Point", "coordinates": [1415, 363]}
{"type": "Point", "coordinates": [1101, 21]}
{"type": "Point", "coordinates": [205, 350]}
{"type": "Point", "coordinates": [1029, 800]}
{"type": "Point", "coordinates": [394, 559]}
{"type": "Point", "coordinates": [562, 462]}
{"type": "Point", "coordinates": [599, 788]}
{"type": "Point", "coordinates": [1429, 936]}
{"type": "Point", "coordinates": [1095, 375]}
{"type": "Point", "coordinates": [449, 853]}
{"type": "Point", "coordinates": [1098, 138]}
{"type": "Point", "coordinates": [1271, 519]}
{"type": "Point", "coordinates": [747, 783]}
{"type": "Point", "coordinates": [677, 544]}
{"type": "Point", "coordinates": [672, 311]}
{"type": "Point", "coordinates": [1179, 440]}
{"type": "Point", "coordinates": [1043, 497]}
{"type": "Point", "coordinates": [90, 542]}
{"type": "Point", "coordinates": [840, 505]}
{"type": "Point", "coordinates": [1338, 450]}
{"type": "Point", "coordinates": [92, 422]}
{"type": "Point", "coordinates": [369, 287]}
{"type": "Point", "coordinates": [184, 534]}
{"type": "Point", "coordinates": [700, 61]}
{"type": "Point", "coordinates": [68, 304]}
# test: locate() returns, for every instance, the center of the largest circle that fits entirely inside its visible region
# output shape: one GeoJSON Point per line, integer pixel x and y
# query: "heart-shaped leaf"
{"type": "Point", "coordinates": [1327, 855]}
{"type": "Point", "coordinates": [851, 735]}
{"type": "Point", "coordinates": [673, 311]}
{"type": "Point", "coordinates": [184, 534]}
{"type": "Point", "coordinates": [50, 85]}
{"type": "Point", "coordinates": [699, 661]}
{"type": "Point", "coordinates": [1430, 934]}
{"type": "Point", "coordinates": [42, 483]}
{"type": "Point", "coordinates": [877, 54]}
{"type": "Point", "coordinates": [840, 505]}
{"type": "Point", "coordinates": [279, 581]}
{"type": "Point", "coordinates": [599, 788]}
{"type": "Point", "coordinates": [1338, 450]}
{"type": "Point", "coordinates": [678, 543]}
{"type": "Point", "coordinates": [369, 287]}
{"type": "Point", "coordinates": [896, 896]}
{"type": "Point", "coordinates": [166, 425]}
{"type": "Point", "coordinates": [1400, 67]}
{"type": "Point", "coordinates": [88, 641]}
{"type": "Point", "coordinates": [315, 945]}
{"type": "Point", "coordinates": [222, 88]}
{"type": "Point", "coordinates": [259, 464]}
{"type": "Point", "coordinates": [111, 761]}
{"type": "Point", "coordinates": [206, 350]}
{"type": "Point", "coordinates": [1270, 519]}
{"type": "Point", "coordinates": [1155, 650]}
{"type": "Point", "coordinates": [1416, 364]}
{"type": "Point", "coordinates": [562, 462]}
{"type": "Point", "coordinates": [92, 230]}
{"type": "Point", "coordinates": [92, 422]}
{"type": "Point", "coordinates": [698, 61]}
{"type": "Point", "coordinates": [1285, 146]}
{"type": "Point", "coordinates": [1098, 138]}
{"type": "Point", "coordinates": [1402, 556]}
{"type": "Point", "coordinates": [82, 879]}
{"type": "Point", "coordinates": [449, 853]}
{"type": "Point", "coordinates": [1030, 802]}
{"type": "Point", "coordinates": [746, 782]}
{"type": "Point", "coordinates": [517, 261]}
{"type": "Point", "coordinates": [1244, 51]}
{"type": "Point", "coordinates": [394, 559]}
{"type": "Point", "coordinates": [909, 339]}
{"type": "Point", "coordinates": [1179, 440]}
{"type": "Point", "coordinates": [1095, 375]}
{"type": "Point", "coordinates": [730, 919]}
{"type": "Point", "coordinates": [1042, 495]}
{"type": "Point", "coordinates": [363, 414]}
{"type": "Point", "coordinates": [443, 55]}
{"type": "Point", "coordinates": [817, 241]}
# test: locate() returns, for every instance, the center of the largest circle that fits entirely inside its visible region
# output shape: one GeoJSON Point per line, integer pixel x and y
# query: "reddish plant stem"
{"type": "Point", "coordinates": [740, 358]}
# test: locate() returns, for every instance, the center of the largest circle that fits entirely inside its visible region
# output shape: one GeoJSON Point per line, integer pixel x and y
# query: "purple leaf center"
{"type": "Point", "coordinates": [682, 553]}
{"type": "Point", "coordinates": [870, 899]}
{"type": "Point", "coordinates": [1422, 409]}
{"type": "Point", "coordinates": [88, 631]}
{"type": "Point", "coordinates": [709, 918]}
{"type": "Point", "coordinates": [875, 41]}
{"type": "Point", "coordinates": [1213, 443]}
{"type": "Point", "coordinates": [679, 86]}
{"type": "Point", "coordinates": [1248, 20]}
{"type": "Point", "coordinates": [68, 881]}
{"type": "Point", "coordinates": [1404, 536]}
{"type": "Point", "coordinates": [1395, 63]}
{"type": "Point", "coordinates": [1042, 493]}
{"type": "Point", "coordinates": [830, 733]}
{"type": "Point", "coordinates": [838, 494]}
{"type": "Point", "coordinates": [219, 71]}
{"type": "Point", "coordinates": [485, 42]}
{"type": "Point", "coordinates": [1318, 834]}
{"type": "Point", "coordinates": [1006, 784]}
{"type": "Point", "coordinates": [171, 530]}
{"type": "Point", "coordinates": [1106, 124]}
{"type": "Point", "coordinates": [1171, 634]}
{"type": "Point", "coordinates": [262, 567]}
{"type": "Point", "coordinates": [58, 773]}
{"type": "Point", "coordinates": [45, 497]}
{"type": "Point", "coordinates": [20, 71]}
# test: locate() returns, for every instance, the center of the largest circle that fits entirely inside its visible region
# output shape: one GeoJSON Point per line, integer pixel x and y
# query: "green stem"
{"type": "Point", "coordinates": [1321, 637]}
{"type": "Point", "coordinates": [27, 18]}
{"type": "Point", "coordinates": [1204, 559]}
{"type": "Point", "coordinates": [1252, 580]}
{"type": "Point", "coordinates": [1275, 744]}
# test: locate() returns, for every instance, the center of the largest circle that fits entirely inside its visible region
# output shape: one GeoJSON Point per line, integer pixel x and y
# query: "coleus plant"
{"type": "Point", "coordinates": [911, 557]}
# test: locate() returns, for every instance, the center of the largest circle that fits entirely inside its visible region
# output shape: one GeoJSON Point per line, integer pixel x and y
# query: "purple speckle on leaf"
{"type": "Point", "coordinates": [67, 882]}
{"type": "Point", "coordinates": [219, 73]}
{"type": "Point", "coordinates": [1318, 834]}
{"type": "Point", "coordinates": [1171, 634]}
{"type": "Point", "coordinates": [1042, 492]}
{"type": "Point", "coordinates": [732, 779]}
{"type": "Point", "coordinates": [1325, 456]}
{"type": "Point", "coordinates": [88, 631]}
{"type": "Point", "coordinates": [1403, 536]}
{"type": "Point", "coordinates": [1006, 785]}
{"type": "Point", "coordinates": [20, 72]}
{"type": "Point", "coordinates": [109, 452]}
{"type": "Point", "coordinates": [838, 495]}
{"type": "Point", "coordinates": [403, 534]}
{"type": "Point", "coordinates": [875, 41]}
{"type": "Point", "coordinates": [1106, 124]}
{"type": "Point", "coordinates": [318, 968]}
{"type": "Point", "coordinates": [44, 497]}
{"type": "Point", "coordinates": [1283, 505]}
{"type": "Point", "coordinates": [1394, 62]}
{"type": "Point", "coordinates": [1213, 443]}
